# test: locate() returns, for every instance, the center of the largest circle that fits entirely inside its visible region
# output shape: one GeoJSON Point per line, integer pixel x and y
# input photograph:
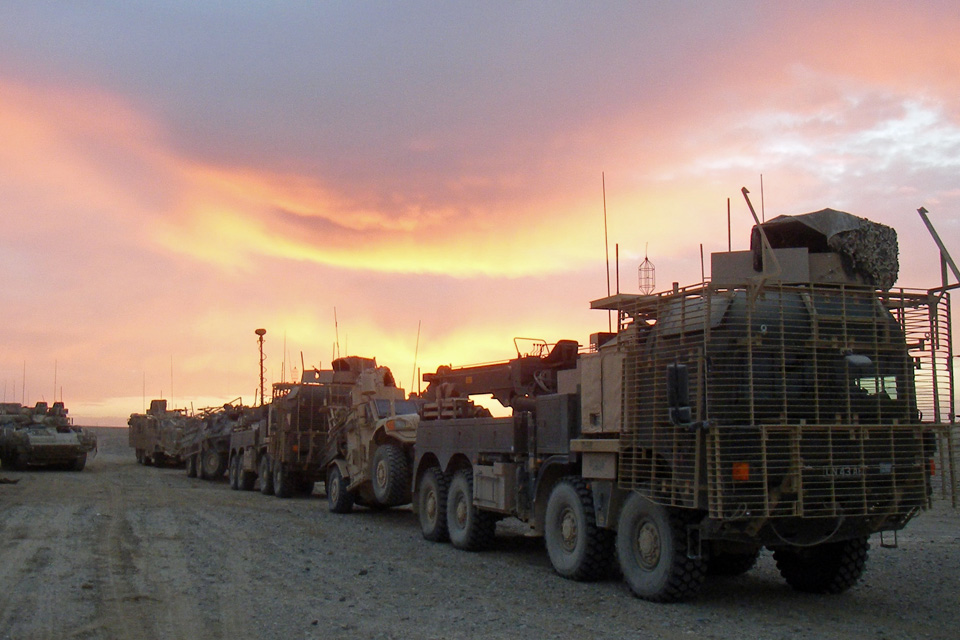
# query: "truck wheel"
{"type": "Point", "coordinates": [578, 549]}
{"type": "Point", "coordinates": [390, 476]}
{"type": "Point", "coordinates": [470, 528]}
{"type": "Point", "coordinates": [432, 505]}
{"type": "Point", "coordinates": [731, 564]}
{"type": "Point", "coordinates": [191, 465]}
{"type": "Point", "coordinates": [652, 548]}
{"type": "Point", "coordinates": [266, 476]}
{"type": "Point", "coordinates": [234, 473]}
{"type": "Point", "coordinates": [283, 483]}
{"type": "Point", "coordinates": [212, 464]}
{"type": "Point", "coordinates": [833, 567]}
{"type": "Point", "coordinates": [79, 462]}
{"type": "Point", "coordinates": [339, 499]}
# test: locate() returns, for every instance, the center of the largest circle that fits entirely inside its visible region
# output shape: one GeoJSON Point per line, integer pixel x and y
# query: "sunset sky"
{"type": "Point", "coordinates": [174, 175]}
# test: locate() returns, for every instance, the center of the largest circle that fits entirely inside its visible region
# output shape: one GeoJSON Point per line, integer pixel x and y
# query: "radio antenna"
{"type": "Point", "coordinates": [416, 352]}
{"type": "Point", "coordinates": [336, 330]}
{"type": "Point", "coordinates": [606, 244]}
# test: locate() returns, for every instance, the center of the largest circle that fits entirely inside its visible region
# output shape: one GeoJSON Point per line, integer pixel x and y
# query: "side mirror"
{"type": "Point", "coordinates": [678, 394]}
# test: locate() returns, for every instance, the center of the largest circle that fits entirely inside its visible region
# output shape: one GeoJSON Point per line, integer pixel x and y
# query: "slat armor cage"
{"type": "Point", "coordinates": [804, 400]}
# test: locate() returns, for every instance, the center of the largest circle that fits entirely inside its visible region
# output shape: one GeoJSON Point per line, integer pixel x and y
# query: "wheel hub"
{"type": "Point", "coordinates": [568, 529]}
{"type": "Point", "coordinates": [382, 474]}
{"type": "Point", "coordinates": [430, 506]}
{"type": "Point", "coordinates": [647, 545]}
{"type": "Point", "coordinates": [461, 511]}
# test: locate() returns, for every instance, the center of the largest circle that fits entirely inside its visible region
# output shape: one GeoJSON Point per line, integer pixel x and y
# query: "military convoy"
{"type": "Point", "coordinates": [41, 436]}
{"type": "Point", "coordinates": [789, 404]}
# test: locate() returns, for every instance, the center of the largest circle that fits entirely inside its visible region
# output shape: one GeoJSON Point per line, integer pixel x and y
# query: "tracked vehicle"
{"type": "Point", "coordinates": [42, 436]}
{"type": "Point", "coordinates": [786, 404]}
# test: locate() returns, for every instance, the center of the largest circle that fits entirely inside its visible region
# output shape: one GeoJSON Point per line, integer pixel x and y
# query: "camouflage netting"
{"type": "Point", "coordinates": [867, 249]}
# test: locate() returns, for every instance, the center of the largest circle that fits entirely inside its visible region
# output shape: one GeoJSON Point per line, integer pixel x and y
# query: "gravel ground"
{"type": "Point", "coordinates": [124, 551]}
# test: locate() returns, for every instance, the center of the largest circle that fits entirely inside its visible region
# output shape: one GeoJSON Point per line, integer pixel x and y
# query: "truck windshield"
{"type": "Point", "coordinates": [400, 407]}
{"type": "Point", "coordinates": [884, 386]}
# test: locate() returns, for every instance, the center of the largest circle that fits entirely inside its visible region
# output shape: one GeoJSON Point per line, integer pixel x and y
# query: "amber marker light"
{"type": "Point", "coordinates": [741, 471]}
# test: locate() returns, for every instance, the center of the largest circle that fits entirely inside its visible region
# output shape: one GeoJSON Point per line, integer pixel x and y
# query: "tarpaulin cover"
{"type": "Point", "coordinates": [867, 249]}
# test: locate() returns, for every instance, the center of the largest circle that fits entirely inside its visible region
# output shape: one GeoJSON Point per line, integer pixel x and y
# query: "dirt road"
{"type": "Point", "coordinates": [128, 552]}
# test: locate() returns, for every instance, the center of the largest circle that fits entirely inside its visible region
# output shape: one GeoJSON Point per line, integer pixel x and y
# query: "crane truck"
{"type": "Point", "coordinates": [788, 403]}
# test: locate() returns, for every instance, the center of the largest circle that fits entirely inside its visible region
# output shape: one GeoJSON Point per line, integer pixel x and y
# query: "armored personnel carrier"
{"type": "Point", "coordinates": [157, 436]}
{"type": "Point", "coordinates": [42, 436]}
{"type": "Point", "coordinates": [206, 443]}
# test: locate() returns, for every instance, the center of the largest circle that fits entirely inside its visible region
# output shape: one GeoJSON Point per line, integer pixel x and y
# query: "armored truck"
{"type": "Point", "coordinates": [157, 436]}
{"type": "Point", "coordinates": [284, 450]}
{"type": "Point", "coordinates": [788, 403]}
{"type": "Point", "coordinates": [42, 436]}
{"type": "Point", "coordinates": [206, 440]}
{"type": "Point", "coordinates": [369, 453]}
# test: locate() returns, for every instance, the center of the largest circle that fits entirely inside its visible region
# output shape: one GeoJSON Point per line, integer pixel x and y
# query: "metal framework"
{"type": "Point", "coordinates": [805, 400]}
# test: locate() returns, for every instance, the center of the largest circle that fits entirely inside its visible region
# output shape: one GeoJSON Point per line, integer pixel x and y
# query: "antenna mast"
{"type": "Point", "coordinates": [416, 352]}
{"type": "Point", "coordinates": [336, 330]}
{"type": "Point", "coordinates": [260, 333]}
{"type": "Point", "coordinates": [606, 244]}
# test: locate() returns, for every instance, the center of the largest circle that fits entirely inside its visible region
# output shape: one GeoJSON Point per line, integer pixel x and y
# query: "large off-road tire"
{"type": "Point", "coordinates": [191, 465]}
{"type": "Point", "coordinates": [432, 505]}
{"type": "Point", "coordinates": [470, 528]}
{"type": "Point", "coordinates": [265, 474]}
{"type": "Point", "coordinates": [213, 464]}
{"type": "Point", "coordinates": [283, 482]}
{"type": "Point", "coordinates": [833, 567]}
{"type": "Point", "coordinates": [233, 472]}
{"type": "Point", "coordinates": [339, 499]}
{"type": "Point", "coordinates": [577, 547]}
{"type": "Point", "coordinates": [731, 564]}
{"type": "Point", "coordinates": [79, 462]}
{"type": "Point", "coordinates": [652, 549]}
{"type": "Point", "coordinates": [247, 480]}
{"type": "Point", "coordinates": [390, 476]}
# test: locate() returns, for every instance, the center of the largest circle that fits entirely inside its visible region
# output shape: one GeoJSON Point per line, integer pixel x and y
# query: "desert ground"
{"type": "Point", "coordinates": [130, 552]}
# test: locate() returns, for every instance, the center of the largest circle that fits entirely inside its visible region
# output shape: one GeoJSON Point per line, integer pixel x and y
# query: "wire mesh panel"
{"type": "Point", "coordinates": [817, 471]}
{"type": "Point", "coordinates": [797, 400]}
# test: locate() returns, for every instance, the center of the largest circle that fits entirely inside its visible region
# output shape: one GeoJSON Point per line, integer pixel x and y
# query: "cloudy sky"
{"type": "Point", "coordinates": [174, 175]}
